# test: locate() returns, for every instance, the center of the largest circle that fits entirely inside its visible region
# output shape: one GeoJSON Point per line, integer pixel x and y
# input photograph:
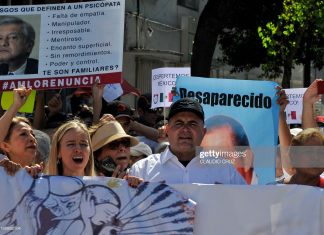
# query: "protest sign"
{"type": "Point", "coordinates": [295, 106]}
{"type": "Point", "coordinates": [247, 111]}
{"type": "Point", "coordinates": [163, 80]}
{"type": "Point", "coordinates": [90, 205]}
{"type": "Point", "coordinates": [74, 44]}
{"type": "Point", "coordinates": [112, 91]}
{"type": "Point", "coordinates": [8, 97]}
{"type": "Point", "coordinates": [272, 209]}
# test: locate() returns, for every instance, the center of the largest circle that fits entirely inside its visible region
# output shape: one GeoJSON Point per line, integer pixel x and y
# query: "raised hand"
{"type": "Point", "coordinates": [55, 104]}
{"type": "Point", "coordinates": [20, 96]}
{"type": "Point", "coordinates": [282, 98]}
{"type": "Point", "coordinates": [311, 95]}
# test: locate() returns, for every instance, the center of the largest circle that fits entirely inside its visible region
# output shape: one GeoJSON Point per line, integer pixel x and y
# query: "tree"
{"type": "Point", "coordinates": [233, 24]}
{"type": "Point", "coordinates": [209, 26]}
{"type": "Point", "coordinates": [295, 37]}
{"type": "Point", "coordinates": [273, 34]}
{"type": "Point", "coordinates": [241, 46]}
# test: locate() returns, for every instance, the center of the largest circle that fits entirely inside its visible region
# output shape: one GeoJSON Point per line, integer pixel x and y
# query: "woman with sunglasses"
{"type": "Point", "coordinates": [111, 148]}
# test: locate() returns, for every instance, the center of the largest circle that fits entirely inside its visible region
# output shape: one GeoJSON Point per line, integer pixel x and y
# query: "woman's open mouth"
{"type": "Point", "coordinates": [77, 159]}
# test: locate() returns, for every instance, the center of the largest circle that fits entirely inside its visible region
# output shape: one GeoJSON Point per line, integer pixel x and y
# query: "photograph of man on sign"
{"type": "Point", "coordinates": [227, 133]}
{"type": "Point", "coordinates": [17, 39]}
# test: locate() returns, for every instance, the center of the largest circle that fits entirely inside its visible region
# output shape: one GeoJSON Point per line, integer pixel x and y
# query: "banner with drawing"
{"type": "Point", "coordinates": [241, 114]}
{"type": "Point", "coordinates": [61, 45]}
{"type": "Point", "coordinates": [90, 205]}
{"type": "Point", "coordinates": [271, 209]}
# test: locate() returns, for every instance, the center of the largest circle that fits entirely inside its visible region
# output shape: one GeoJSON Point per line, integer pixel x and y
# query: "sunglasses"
{"type": "Point", "coordinates": [115, 144]}
{"type": "Point", "coordinates": [156, 110]}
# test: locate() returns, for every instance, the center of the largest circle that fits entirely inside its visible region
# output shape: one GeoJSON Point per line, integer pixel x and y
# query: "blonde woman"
{"type": "Point", "coordinates": [71, 151]}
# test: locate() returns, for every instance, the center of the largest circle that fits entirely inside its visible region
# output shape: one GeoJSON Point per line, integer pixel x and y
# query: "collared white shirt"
{"type": "Point", "coordinates": [166, 167]}
{"type": "Point", "coordinates": [20, 70]}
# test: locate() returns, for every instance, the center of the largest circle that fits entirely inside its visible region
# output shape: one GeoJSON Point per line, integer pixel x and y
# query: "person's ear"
{"type": "Point", "coordinates": [166, 130]}
{"type": "Point", "coordinates": [5, 146]}
{"type": "Point", "coordinates": [204, 130]}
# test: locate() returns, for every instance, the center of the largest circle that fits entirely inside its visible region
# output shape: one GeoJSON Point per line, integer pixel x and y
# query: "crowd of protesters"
{"type": "Point", "coordinates": [95, 137]}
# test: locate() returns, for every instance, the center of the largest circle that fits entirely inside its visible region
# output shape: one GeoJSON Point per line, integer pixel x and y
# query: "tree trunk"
{"type": "Point", "coordinates": [307, 65]}
{"type": "Point", "coordinates": [205, 40]}
{"type": "Point", "coordinates": [307, 72]}
{"type": "Point", "coordinates": [287, 74]}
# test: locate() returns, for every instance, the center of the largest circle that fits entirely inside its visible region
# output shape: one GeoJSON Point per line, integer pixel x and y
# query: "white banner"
{"type": "Point", "coordinates": [98, 205]}
{"type": "Point", "coordinates": [259, 210]}
{"type": "Point", "coordinates": [75, 43]}
{"type": "Point", "coordinates": [163, 80]}
{"type": "Point", "coordinates": [60, 205]}
{"type": "Point", "coordinates": [295, 107]}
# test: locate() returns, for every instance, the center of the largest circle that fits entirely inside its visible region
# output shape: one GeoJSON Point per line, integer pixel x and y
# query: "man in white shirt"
{"type": "Point", "coordinates": [180, 163]}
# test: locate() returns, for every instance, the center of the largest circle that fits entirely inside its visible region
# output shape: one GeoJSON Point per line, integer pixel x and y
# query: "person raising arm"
{"type": "Point", "coordinates": [310, 97]}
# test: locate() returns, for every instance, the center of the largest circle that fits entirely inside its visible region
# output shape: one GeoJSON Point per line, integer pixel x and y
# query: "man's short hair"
{"type": "Point", "coordinates": [186, 105]}
{"type": "Point", "coordinates": [26, 29]}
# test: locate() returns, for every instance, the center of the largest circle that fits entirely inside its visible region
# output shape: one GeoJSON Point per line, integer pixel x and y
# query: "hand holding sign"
{"type": "Point", "coordinates": [282, 98]}
{"type": "Point", "coordinates": [311, 94]}
{"type": "Point", "coordinates": [20, 96]}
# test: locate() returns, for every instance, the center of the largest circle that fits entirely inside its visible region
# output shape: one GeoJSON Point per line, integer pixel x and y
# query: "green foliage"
{"type": "Point", "coordinates": [299, 17]}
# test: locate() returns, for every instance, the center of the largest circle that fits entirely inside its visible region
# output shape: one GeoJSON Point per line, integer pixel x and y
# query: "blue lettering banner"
{"type": "Point", "coordinates": [239, 113]}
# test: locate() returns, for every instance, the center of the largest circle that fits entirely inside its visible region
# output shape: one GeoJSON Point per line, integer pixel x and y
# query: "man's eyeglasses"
{"type": "Point", "coordinates": [115, 144]}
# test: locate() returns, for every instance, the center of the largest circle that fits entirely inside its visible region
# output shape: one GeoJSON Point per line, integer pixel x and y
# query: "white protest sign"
{"type": "Point", "coordinates": [112, 92]}
{"type": "Point", "coordinates": [295, 106]}
{"type": "Point", "coordinates": [163, 80]}
{"type": "Point", "coordinates": [75, 44]}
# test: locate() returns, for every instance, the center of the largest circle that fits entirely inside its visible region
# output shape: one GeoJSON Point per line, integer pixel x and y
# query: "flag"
{"type": "Point", "coordinates": [161, 97]}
